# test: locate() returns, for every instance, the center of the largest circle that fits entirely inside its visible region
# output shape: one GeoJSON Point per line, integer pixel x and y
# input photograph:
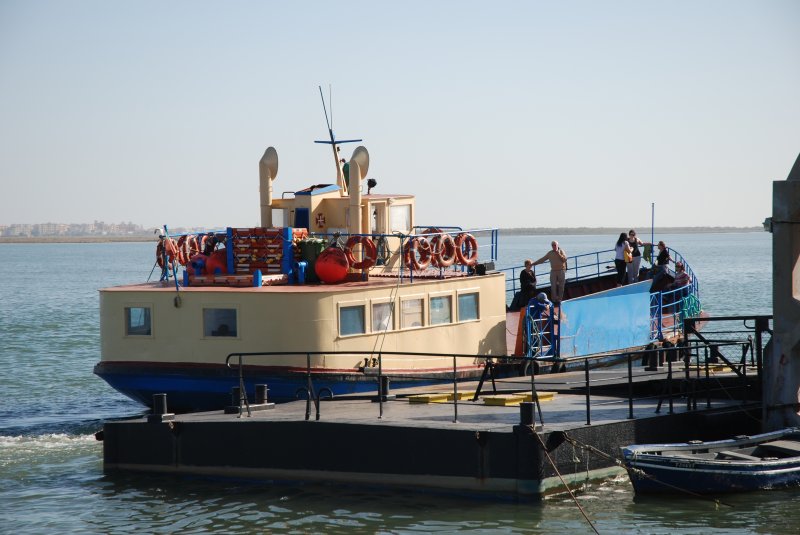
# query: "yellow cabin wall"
{"type": "Point", "coordinates": [302, 320]}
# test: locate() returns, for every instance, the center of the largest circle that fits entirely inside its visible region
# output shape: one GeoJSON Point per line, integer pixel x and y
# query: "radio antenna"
{"type": "Point", "coordinates": [334, 143]}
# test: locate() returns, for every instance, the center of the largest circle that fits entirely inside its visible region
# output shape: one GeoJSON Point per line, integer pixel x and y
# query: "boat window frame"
{"type": "Point", "coordinates": [352, 304]}
{"type": "Point", "coordinates": [383, 301]}
{"type": "Point", "coordinates": [125, 319]}
{"type": "Point", "coordinates": [439, 295]}
{"type": "Point", "coordinates": [467, 291]}
{"type": "Point", "coordinates": [219, 306]}
{"type": "Point", "coordinates": [423, 315]}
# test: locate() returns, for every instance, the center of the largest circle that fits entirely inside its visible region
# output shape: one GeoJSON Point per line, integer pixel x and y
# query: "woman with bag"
{"type": "Point", "coordinates": [622, 251]}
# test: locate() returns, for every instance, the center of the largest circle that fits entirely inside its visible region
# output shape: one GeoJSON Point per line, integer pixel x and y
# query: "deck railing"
{"type": "Point", "coordinates": [684, 373]}
{"type": "Point", "coordinates": [668, 308]}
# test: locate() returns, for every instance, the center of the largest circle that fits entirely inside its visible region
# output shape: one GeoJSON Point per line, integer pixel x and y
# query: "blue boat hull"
{"type": "Point", "coordinates": [704, 478]}
{"type": "Point", "coordinates": [199, 388]}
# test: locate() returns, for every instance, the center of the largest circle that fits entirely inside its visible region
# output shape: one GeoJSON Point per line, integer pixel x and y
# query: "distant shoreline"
{"type": "Point", "coordinates": [533, 231]}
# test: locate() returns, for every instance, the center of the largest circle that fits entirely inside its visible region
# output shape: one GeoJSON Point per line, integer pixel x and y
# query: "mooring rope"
{"type": "Point", "coordinates": [638, 471]}
{"type": "Point", "coordinates": [572, 495]}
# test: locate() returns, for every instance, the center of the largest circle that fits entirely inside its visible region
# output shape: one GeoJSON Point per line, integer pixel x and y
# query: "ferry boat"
{"type": "Point", "coordinates": [338, 286]}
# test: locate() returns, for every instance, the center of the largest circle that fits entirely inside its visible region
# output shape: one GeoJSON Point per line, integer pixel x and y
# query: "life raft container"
{"type": "Point", "coordinates": [466, 249]}
{"type": "Point", "coordinates": [417, 245]}
{"type": "Point", "coordinates": [370, 252]}
{"type": "Point", "coordinates": [443, 250]}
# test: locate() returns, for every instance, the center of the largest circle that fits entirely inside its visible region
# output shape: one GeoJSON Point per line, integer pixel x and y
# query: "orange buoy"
{"type": "Point", "coordinates": [370, 252]}
{"type": "Point", "coordinates": [443, 250]}
{"type": "Point", "coordinates": [217, 263]}
{"type": "Point", "coordinates": [466, 249]}
{"type": "Point", "coordinates": [166, 247]}
{"type": "Point", "coordinates": [331, 265]}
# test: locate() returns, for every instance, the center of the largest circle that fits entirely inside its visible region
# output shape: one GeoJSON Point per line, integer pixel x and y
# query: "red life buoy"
{"type": "Point", "coordinates": [370, 252]}
{"type": "Point", "coordinates": [169, 247]}
{"type": "Point", "coordinates": [467, 249]}
{"type": "Point", "coordinates": [417, 245]}
{"type": "Point", "coordinates": [443, 250]}
{"type": "Point", "coordinates": [187, 248]}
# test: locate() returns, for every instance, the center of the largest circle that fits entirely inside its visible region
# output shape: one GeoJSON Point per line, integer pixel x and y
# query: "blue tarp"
{"type": "Point", "coordinates": [606, 321]}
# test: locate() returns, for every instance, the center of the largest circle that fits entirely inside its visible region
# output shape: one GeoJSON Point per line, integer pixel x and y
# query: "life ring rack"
{"type": "Point", "coordinates": [466, 249]}
{"type": "Point", "coordinates": [370, 252]}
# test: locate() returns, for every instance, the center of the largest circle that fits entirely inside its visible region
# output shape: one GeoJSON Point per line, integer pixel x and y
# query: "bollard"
{"type": "Point", "coordinates": [526, 413]}
{"type": "Point", "coordinates": [159, 404]}
{"type": "Point", "coordinates": [160, 414]}
{"type": "Point", "coordinates": [261, 394]}
{"type": "Point", "coordinates": [236, 396]}
{"type": "Point", "coordinates": [384, 387]}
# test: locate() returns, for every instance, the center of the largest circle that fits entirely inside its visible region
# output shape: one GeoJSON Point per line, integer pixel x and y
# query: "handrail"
{"type": "Point", "coordinates": [693, 359]}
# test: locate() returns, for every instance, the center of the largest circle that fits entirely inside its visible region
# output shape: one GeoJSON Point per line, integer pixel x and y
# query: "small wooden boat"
{"type": "Point", "coordinates": [744, 463]}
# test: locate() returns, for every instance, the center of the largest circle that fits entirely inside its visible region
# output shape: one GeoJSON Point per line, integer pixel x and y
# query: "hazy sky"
{"type": "Point", "coordinates": [507, 114]}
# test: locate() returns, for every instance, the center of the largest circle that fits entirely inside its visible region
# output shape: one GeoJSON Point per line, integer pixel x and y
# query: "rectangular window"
{"type": "Point", "coordinates": [400, 218]}
{"type": "Point", "coordinates": [382, 317]}
{"type": "Point", "coordinates": [351, 320]}
{"type": "Point", "coordinates": [219, 322]}
{"type": "Point", "coordinates": [137, 321]}
{"type": "Point", "coordinates": [441, 310]}
{"type": "Point", "coordinates": [468, 307]}
{"type": "Point", "coordinates": [411, 313]}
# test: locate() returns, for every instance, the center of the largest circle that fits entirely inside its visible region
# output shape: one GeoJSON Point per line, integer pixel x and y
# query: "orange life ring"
{"type": "Point", "coordinates": [370, 252]}
{"type": "Point", "coordinates": [417, 245]}
{"type": "Point", "coordinates": [432, 230]}
{"type": "Point", "coordinates": [169, 247]}
{"type": "Point", "coordinates": [443, 250]}
{"type": "Point", "coordinates": [467, 249]}
{"type": "Point", "coordinates": [187, 248]}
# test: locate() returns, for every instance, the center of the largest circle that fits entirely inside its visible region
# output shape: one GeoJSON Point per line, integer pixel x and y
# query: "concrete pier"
{"type": "Point", "coordinates": [782, 360]}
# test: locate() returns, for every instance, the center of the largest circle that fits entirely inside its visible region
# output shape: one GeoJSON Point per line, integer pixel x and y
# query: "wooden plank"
{"type": "Point", "coordinates": [735, 455]}
{"type": "Point", "coordinates": [503, 400]}
{"type": "Point", "coordinates": [789, 447]}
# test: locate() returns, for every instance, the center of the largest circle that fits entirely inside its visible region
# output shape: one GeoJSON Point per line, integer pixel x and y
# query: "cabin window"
{"type": "Point", "coordinates": [138, 321]}
{"type": "Point", "coordinates": [468, 307]}
{"type": "Point", "coordinates": [382, 317]}
{"type": "Point", "coordinates": [411, 313]}
{"type": "Point", "coordinates": [400, 218]}
{"type": "Point", "coordinates": [351, 320]}
{"type": "Point", "coordinates": [219, 322]}
{"type": "Point", "coordinates": [441, 310]}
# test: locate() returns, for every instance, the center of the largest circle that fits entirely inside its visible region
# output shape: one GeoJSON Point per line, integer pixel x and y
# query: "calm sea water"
{"type": "Point", "coordinates": [51, 477]}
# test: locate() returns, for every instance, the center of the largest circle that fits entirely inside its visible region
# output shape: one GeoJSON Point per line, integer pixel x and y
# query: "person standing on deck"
{"type": "Point", "coordinates": [558, 270]}
{"type": "Point", "coordinates": [634, 265]}
{"type": "Point", "coordinates": [527, 283]}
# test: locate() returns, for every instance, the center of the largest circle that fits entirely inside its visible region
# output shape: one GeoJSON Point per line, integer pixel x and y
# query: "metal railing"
{"type": "Point", "coordinates": [684, 371]}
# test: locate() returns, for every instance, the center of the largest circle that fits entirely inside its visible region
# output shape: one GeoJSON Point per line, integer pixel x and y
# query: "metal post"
{"type": "Point", "coordinates": [708, 382]}
{"type": "Point", "coordinates": [588, 393]}
{"type": "Point", "coordinates": [630, 387]}
{"type": "Point", "coordinates": [687, 376]}
{"type": "Point", "coordinates": [455, 392]}
{"type": "Point", "coordinates": [380, 386]}
{"type": "Point", "coordinates": [669, 383]}
{"type": "Point", "coordinates": [308, 386]}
